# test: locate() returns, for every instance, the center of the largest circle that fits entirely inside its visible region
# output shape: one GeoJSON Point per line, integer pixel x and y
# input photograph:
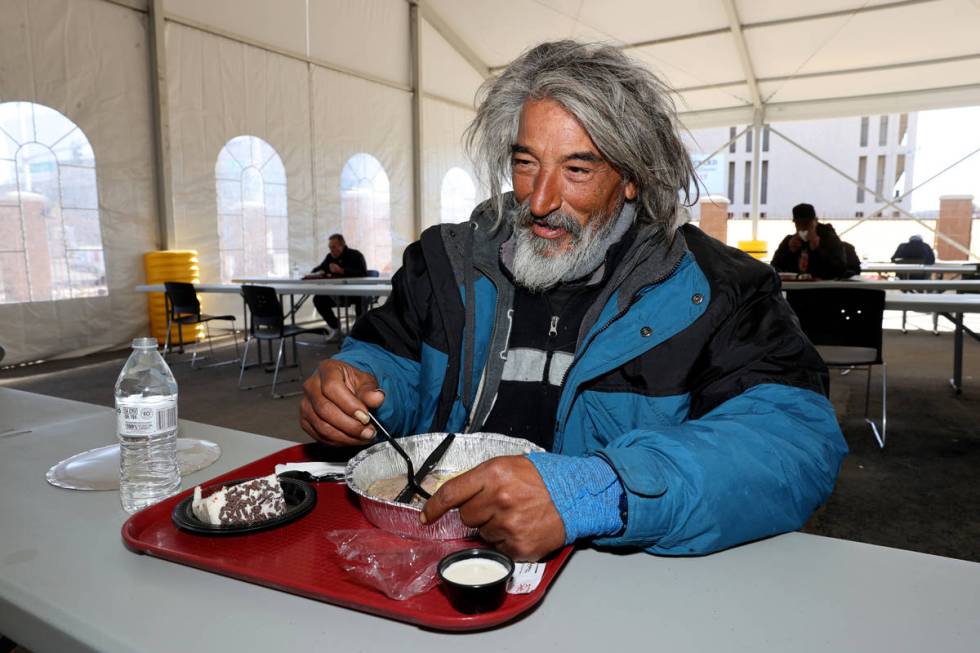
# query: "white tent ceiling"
{"type": "Point", "coordinates": [725, 58]}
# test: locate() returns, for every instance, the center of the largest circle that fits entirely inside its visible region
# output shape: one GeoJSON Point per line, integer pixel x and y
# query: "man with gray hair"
{"type": "Point", "coordinates": [680, 408]}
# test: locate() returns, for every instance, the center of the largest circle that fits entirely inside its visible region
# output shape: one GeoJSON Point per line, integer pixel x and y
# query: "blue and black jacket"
{"type": "Point", "coordinates": [691, 378]}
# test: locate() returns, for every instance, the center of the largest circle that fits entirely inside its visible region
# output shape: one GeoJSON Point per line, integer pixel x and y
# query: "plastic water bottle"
{"type": "Point", "coordinates": [146, 423]}
{"type": "Point", "coordinates": [296, 272]}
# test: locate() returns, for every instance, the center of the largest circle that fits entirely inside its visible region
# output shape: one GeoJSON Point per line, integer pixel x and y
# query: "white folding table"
{"type": "Point", "coordinates": [68, 584]}
{"type": "Point", "coordinates": [947, 268]}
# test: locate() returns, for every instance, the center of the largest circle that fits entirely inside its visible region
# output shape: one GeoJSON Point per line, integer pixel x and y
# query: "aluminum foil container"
{"type": "Point", "coordinates": [381, 461]}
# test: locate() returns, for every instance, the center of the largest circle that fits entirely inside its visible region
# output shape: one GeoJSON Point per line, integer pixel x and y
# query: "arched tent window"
{"type": "Point", "coordinates": [253, 224]}
{"type": "Point", "coordinates": [457, 197]}
{"type": "Point", "coordinates": [365, 209]}
{"type": "Point", "coordinates": [50, 237]}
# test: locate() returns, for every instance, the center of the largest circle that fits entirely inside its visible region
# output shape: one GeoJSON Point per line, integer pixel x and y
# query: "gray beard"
{"type": "Point", "coordinates": [538, 264]}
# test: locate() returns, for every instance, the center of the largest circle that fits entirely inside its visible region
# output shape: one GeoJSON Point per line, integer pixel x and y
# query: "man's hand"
{"type": "Point", "coordinates": [813, 239]}
{"type": "Point", "coordinates": [507, 500]}
{"type": "Point", "coordinates": [336, 269]}
{"type": "Point", "coordinates": [795, 243]}
{"type": "Point", "coordinates": [336, 402]}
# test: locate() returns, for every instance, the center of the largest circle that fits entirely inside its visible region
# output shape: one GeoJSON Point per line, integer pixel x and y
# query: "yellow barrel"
{"type": "Point", "coordinates": [170, 265]}
{"type": "Point", "coordinates": [755, 248]}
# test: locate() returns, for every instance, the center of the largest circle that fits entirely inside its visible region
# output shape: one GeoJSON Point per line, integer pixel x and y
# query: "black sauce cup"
{"type": "Point", "coordinates": [475, 598]}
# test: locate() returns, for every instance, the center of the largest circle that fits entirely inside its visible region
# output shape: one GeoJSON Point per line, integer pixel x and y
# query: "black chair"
{"type": "Point", "coordinates": [915, 276]}
{"type": "Point", "coordinates": [184, 309]}
{"type": "Point", "coordinates": [845, 326]}
{"type": "Point", "coordinates": [267, 323]}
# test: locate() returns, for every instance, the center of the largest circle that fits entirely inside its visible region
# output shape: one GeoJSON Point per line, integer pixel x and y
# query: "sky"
{"type": "Point", "coordinates": [944, 136]}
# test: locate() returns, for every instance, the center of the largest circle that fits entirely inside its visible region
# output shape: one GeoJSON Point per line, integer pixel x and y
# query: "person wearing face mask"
{"type": "Point", "coordinates": [814, 250]}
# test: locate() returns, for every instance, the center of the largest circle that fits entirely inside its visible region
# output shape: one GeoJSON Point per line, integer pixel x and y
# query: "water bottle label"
{"type": "Point", "coordinates": [147, 420]}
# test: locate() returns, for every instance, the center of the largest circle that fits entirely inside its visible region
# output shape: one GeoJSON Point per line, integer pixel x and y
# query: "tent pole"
{"type": "Point", "coordinates": [313, 171]}
{"type": "Point", "coordinates": [756, 146]}
{"type": "Point", "coordinates": [415, 39]}
{"type": "Point", "coordinates": [166, 227]}
{"type": "Point", "coordinates": [939, 234]}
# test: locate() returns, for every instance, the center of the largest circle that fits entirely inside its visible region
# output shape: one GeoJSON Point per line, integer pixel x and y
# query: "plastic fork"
{"type": "Point", "coordinates": [401, 452]}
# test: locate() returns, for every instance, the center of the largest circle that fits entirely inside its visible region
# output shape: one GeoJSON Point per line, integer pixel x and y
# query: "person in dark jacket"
{"type": "Point", "coordinates": [915, 249]}
{"type": "Point", "coordinates": [814, 250]}
{"type": "Point", "coordinates": [341, 261]}
{"type": "Point", "coordinates": [852, 263]}
{"type": "Point", "coordinates": [679, 406]}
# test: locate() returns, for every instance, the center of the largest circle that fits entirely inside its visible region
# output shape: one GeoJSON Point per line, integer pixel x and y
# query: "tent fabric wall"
{"type": "Point", "coordinates": [352, 115]}
{"type": "Point", "coordinates": [369, 36]}
{"type": "Point", "coordinates": [220, 89]}
{"type": "Point", "coordinates": [447, 75]}
{"type": "Point", "coordinates": [281, 23]}
{"type": "Point", "coordinates": [444, 72]}
{"type": "Point", "coordinates": [87, 59]}
{"type": "Point", "coordinates": [444, 127]}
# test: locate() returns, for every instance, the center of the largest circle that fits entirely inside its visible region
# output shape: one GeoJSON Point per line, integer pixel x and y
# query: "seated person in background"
{"type": "Point", "coordinates": [814, 249]}
{"type": "Point", "coordinates": [915, 249]}
{"type": "Point", "coordinates": [342, 261]}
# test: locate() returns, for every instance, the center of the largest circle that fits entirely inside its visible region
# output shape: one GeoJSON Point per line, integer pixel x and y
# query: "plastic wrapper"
{"type": "Point", "coordinates": [400, 567]}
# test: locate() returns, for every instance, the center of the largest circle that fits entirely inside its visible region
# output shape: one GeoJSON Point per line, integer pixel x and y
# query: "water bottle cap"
{"type": "Point", "coordinates": [144, 343]}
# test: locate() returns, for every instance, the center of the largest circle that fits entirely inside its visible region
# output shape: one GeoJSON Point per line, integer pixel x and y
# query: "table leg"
{"type": "Point", "coordinates": [957, 380]}
{"type": "Point", "coordinates": [293, 307]}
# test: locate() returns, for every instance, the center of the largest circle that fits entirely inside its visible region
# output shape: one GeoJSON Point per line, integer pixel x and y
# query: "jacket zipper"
{"type": "Point", "coordinates": [486, 364]}
{"type": "Point", "coordinates": [635, 298]}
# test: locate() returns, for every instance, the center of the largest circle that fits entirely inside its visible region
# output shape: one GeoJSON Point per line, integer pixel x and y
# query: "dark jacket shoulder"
{"type": "Point", "coordinates": [729, 271]}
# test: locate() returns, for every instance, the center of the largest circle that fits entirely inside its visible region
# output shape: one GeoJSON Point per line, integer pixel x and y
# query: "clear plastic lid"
{"type": "Point", "coordinates": [144, 343]}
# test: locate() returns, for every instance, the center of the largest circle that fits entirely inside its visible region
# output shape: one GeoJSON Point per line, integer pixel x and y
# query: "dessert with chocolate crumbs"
{"type": "Point", "coordinates": [251, 502]}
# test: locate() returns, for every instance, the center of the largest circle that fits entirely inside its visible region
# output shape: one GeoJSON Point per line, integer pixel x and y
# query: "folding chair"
{"type": "Point", "coordinates": [267, 323]}
{"type": "Point", "coordinates": [184, 309]}
{"type": "Point", "coordinates": [845, 326]}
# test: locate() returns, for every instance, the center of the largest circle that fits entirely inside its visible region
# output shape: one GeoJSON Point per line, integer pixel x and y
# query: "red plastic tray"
{"type": "Point", "coordinates": [298, 558]}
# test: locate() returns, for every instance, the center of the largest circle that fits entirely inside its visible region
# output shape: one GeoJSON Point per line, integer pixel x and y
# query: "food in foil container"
{"type": "Point", "coordinates": [380, 462]}
{"type": "Point", "coordinates": [389, 488]}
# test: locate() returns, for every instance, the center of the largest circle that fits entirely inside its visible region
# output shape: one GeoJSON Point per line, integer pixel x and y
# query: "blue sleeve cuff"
{"type": "Point", "coordinates": [396, 376]}
{"type": "Point", "coordinates": [586, 492]}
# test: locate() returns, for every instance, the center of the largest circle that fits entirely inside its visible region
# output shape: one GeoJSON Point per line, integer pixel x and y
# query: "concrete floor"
{"type": "Point", "coordinates": [919, 493]}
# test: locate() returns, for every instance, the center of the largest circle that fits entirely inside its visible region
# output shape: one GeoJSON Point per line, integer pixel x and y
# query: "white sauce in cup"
{"type": "Point", "coordinates": [475, 571]}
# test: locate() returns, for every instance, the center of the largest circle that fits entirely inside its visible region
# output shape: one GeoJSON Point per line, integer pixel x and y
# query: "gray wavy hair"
{"type": "Point", "coordinates": [623, 106]}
